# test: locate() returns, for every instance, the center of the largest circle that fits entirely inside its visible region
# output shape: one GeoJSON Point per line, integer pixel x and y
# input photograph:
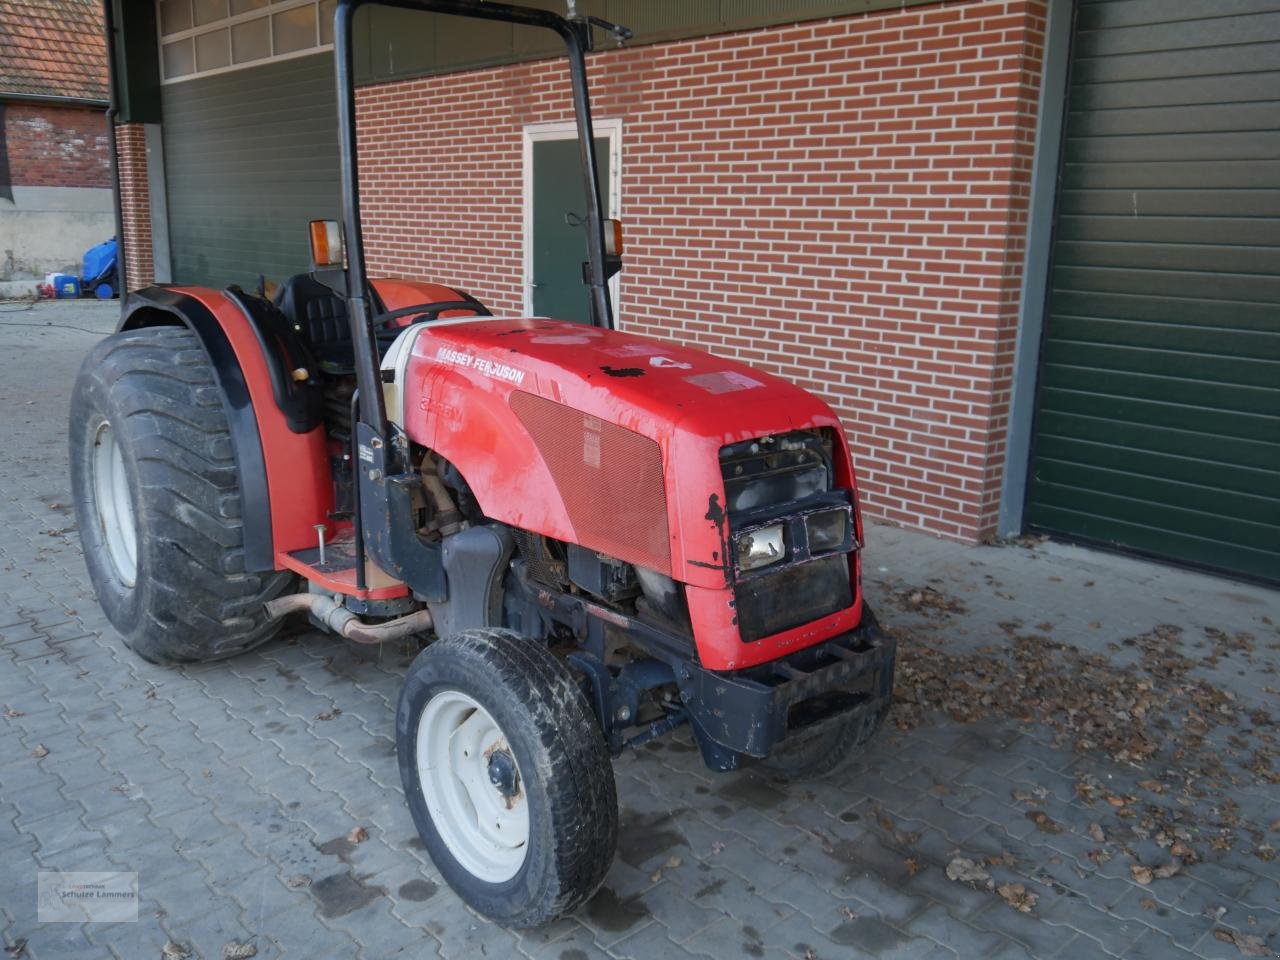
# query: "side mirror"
{"type": "Point", "coordinates": [326, 245]}
{"type": "Point", "coordinates": [612, 247]}
{"type": "Point", "coordinates": [612, 251]}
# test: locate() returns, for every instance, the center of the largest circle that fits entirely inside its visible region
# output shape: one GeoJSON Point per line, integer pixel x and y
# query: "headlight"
{"type": "Point", "coordinates": [828, 530]}
{"type": "Point", "coordinates": [782, 487]}
{"type": "Point", "coordinates": [761, 547]}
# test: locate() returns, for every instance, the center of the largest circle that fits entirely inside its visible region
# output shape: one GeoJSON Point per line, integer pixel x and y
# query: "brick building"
{"type": "Point", "coordinates": [1027, 248]}
{"type": "Point", "coordinates": [55, 180]}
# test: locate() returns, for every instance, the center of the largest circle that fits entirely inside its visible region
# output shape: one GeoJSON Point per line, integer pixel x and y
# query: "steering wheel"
{"type": "Point", "coordinates": [429, 311]}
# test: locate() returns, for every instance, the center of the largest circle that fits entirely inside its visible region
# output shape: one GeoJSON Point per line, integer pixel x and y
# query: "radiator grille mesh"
{"type": "Point", "coordinates": [609, 478]}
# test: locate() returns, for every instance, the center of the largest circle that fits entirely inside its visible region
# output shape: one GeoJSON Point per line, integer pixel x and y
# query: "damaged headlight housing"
{"type": "Point", "coordinates": [810, 534]}
{"type": "Point", "coordinates": [828, 530]}
{"type": "Point", "coordinates": [760, 547]}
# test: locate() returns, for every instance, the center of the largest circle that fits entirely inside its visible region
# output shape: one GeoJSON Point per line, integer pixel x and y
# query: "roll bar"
{"type": "Point", "coordinates": [576, 33]}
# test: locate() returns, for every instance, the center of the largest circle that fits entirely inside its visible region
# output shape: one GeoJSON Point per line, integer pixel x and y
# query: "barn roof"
{"type": "Point", "coordinates": [53, 48]}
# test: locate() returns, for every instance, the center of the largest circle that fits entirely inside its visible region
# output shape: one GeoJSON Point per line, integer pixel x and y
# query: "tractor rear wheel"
{"type": "Point", "coordinates": [507, 776]}
{"type": "Point", "coordinates": [157, 501]}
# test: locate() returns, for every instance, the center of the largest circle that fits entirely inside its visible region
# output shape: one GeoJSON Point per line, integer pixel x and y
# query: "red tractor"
{"type": "Point", "coordinates": [599, 537]}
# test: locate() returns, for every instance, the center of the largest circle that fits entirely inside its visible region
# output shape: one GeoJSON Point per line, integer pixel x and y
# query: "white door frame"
{"type": "Point", "coordinates": [610, 128]}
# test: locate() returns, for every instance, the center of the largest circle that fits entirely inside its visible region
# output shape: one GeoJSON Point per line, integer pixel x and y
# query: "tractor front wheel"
{"type": "Point", "coordinates": [157, 500]}
{"type": "Point", "coordinates": [828, 747]}
{"type": "Point", "coordinates": [507, 776]}
{"type": "Point", "coordinates": [824, 749]}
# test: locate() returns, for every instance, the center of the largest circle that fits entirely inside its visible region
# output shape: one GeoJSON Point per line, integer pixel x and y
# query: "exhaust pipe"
{"type": "Point", "coordinates": [334, 616]}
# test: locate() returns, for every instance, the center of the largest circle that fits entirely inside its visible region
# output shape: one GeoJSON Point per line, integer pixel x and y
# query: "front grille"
{"type": "Point", "coordinates": [776, 481]}
{"type": "Point", "coordinates": [793, 596]}
{"type": "Point", "coordinates": [609, 478]}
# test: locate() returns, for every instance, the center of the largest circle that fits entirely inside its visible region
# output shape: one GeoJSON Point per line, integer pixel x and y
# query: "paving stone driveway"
{"type": "Point", "coordinates": [231, 788]}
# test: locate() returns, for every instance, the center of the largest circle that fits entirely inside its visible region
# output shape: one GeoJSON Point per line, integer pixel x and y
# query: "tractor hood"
{"type": "Point", "coordinates": [593, 436]}
{"type": "Point", "coordinates": [645, 385]}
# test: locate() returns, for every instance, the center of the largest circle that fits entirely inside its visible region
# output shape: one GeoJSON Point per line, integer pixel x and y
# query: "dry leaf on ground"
{"type": "Point", "coordinates": [1017, 896]}
{"type": "Point", "coordinates": [926, 600]}
{"type": "Point", "coordinates": [1152, 712]}
{"type": "Point", "coordinates": [1167, 870]}
{"type": "Point", "coordinates": [964, 870]}
{"type": "Point", "coordinates": [1044, 823]}
{"type": "Point", "coordinates": [1246, 943]}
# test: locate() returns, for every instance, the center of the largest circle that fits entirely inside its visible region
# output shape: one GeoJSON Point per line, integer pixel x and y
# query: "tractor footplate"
{"type": "Point", "coordinates": [749, 711]}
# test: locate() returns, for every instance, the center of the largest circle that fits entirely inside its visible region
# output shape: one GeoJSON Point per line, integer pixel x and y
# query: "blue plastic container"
{"type": "Point", "coordinates": [99, 263]}
{"type": "Point", "coordinates": [65, 285]}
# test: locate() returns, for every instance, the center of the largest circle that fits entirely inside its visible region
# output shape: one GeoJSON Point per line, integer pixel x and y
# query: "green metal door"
{"type": "Point", "coordinates": [1158, 419]}
{"type": "Point", "coordinates": [559, 227]}
{"type": "Point", "coordinates": [250, 156]}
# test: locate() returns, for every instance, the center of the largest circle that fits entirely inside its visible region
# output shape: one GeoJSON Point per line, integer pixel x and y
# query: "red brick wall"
{"type": "Point", "coordinates": [842, 202]}
{"type": "Point", "coordinates": [131, 151]}
{"type": "Point", "coordinates": [57, 146]}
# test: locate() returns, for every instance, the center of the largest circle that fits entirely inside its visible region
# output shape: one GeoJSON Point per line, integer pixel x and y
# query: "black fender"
{"type": "Point", "coordinates": [162, 306]}
{"type": "Point", "coordinates": [300, 400]}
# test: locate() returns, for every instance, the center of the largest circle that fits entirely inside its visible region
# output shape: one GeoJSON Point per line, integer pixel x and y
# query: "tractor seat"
{"type": "Point", "coordinates": [320, 316]}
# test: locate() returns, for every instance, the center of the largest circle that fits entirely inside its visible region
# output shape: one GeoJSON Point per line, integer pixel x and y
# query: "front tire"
{"type": "Point", "coordinates": [827, 748]}
{"type": "Point", "coordinates": [507, 776]}
{"type": "Point", "coordinates": [157, 501]}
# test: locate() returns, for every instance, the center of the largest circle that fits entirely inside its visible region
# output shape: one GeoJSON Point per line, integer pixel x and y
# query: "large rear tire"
{"type": "Point", "coordinates": [157, 501]}
{"type": "Point", "coordinates": [507, 776]}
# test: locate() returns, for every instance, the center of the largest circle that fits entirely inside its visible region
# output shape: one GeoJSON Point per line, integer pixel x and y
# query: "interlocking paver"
{"type": "Point", "coordinates": [220, 784]}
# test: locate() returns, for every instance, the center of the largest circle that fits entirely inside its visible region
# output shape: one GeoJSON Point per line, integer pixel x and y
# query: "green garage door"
{"type": "Point", "coordinates": [250, 156]}
{"type": "Point", "coordinates": [1158, 426]}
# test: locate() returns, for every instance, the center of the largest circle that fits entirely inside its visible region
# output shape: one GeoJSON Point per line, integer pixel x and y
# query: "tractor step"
{"type": "Point", "coordinates": [338, 572]}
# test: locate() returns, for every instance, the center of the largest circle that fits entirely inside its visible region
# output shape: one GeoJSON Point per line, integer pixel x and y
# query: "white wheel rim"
{"type": "Point", "coordinates": [114, 504]}
{"type": "Point", "coordinates": [486, 830]}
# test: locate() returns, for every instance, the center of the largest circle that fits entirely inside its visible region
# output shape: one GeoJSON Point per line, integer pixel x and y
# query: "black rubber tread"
{"type": "Point", "coordinates": [568, 776]}
{"type": "Point", "coordinates": [192, 600]}
{"type": "Point", "coordinates": [824, 749]}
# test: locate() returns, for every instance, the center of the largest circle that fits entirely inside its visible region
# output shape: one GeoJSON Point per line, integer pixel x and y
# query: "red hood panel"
{"type": "Point", "coordinates": [649, 386]}
{"type": "Point", "coordinates": [458, 388]}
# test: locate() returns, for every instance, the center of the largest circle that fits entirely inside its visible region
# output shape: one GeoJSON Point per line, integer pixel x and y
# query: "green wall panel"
{"type": "Point", "coordinates": [1158, 419]}
{"type": "Point", "coordinates": [250, 157]}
